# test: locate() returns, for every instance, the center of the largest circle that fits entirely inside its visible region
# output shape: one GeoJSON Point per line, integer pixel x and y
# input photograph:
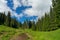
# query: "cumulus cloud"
{"type": "Point", "coordinates": [4, 7]}
{"type": "Point", "coordinates": [39, 7]}
{"type": "Point", "coordinates": [16, 4]}
{"type": "Point", "coordinates": [20, 3]}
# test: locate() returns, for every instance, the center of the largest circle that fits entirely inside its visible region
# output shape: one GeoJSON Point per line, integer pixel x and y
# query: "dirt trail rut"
{"type": "Point", "coordinates": [23, 36]}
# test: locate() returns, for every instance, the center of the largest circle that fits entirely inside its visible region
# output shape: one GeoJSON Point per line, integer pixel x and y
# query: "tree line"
{"type": "Point", "coordinates": [49, 22]}
{"type": "Point", "coordinates": [8, 21]}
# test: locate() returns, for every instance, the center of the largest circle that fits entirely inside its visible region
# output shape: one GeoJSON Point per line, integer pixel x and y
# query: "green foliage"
{"type": "Point", "coordinates": [51, 21]}
{"type": "Point", "coordinates": [25, 25]}
{"type": "Point", "coordinates": [43, 23]}
{"type": "Point", "coordinates": [8, 21]}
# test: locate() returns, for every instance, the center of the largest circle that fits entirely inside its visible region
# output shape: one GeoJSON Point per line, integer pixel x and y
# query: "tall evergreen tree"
{"type": "Point", "coordinates": [56, 11]}
{"type": "Point", "coordinates": [8, 19]}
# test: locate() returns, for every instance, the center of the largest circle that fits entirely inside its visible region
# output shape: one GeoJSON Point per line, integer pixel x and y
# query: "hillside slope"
{"type": "Point", "coordinates": [7, 33]}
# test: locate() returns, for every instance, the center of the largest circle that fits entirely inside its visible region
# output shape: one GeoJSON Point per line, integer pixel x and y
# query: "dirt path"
{"type": "Point", "coordinates": [23, 36]}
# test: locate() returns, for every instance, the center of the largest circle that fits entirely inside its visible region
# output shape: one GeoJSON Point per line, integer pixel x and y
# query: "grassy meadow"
{"type": "Point", "coordinates": [6, 33]}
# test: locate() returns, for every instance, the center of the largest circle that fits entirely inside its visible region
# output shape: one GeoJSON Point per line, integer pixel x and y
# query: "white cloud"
{"type": "Point", "coordinates": [21, 2]}
{"type": "Point", "coordinates": [39, 7]}
{"type": "Point", "coordinates": [4, 7]}
{"type": "Point", "coordinates": [16, 4]}
{"type": "Point", "coordinates": [14, 14]}
{"type": "Point", "coordinates": [26, 2]}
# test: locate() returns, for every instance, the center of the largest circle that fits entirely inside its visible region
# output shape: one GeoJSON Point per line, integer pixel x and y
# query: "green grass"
{"type": "Point", "coordinates": [53, 35]}
{"type": "Point", "coordinates": [6, 33]}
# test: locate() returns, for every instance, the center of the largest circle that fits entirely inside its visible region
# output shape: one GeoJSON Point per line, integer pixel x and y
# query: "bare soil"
{"type": "Point", "coordinates": [22, 36]}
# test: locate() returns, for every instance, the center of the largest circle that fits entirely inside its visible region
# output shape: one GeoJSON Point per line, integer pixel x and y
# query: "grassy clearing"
{"type": "Point", "coordinates": [6, 33]}
{"type": "Point", "coordinates": [53, 35]}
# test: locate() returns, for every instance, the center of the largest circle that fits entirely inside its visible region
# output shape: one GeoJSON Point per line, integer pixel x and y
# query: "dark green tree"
{"type": "Point", "coordinates": [56, 12]}
{"type": "Point", "coordinates": [8, 20]}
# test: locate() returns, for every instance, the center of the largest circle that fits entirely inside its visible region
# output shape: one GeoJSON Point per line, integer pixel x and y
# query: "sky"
{"type": "Point", "coordinates": [25, 9]}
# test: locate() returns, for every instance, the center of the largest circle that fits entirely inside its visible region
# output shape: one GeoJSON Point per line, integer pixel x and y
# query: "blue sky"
{"type": "Point", "coordinates": [19, 10]}
{"type": "Point", "coordinates": [25, 9]}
